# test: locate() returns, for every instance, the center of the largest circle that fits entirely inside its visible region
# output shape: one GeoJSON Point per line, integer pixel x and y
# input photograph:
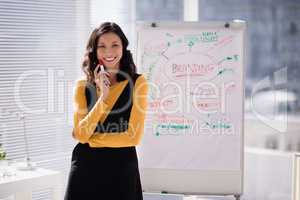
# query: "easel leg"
{"type": "Point", "coordinates": [237, 196]}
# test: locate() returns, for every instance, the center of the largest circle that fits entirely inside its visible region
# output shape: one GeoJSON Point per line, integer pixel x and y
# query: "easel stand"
{"type": "Point", "coordinates": [162, 196]}
{"type": "Point", "coordinates": [166, 196]}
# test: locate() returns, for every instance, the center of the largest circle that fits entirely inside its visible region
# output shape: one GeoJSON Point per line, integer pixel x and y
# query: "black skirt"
{"type": "Point", "coordinates": [104, 174]}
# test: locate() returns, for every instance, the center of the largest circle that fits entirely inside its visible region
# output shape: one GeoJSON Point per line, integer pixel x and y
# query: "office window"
{"type": "Point", "coordinates": [151, 10]}
{"type": "Point", "coordinates": [41, 45]}
{"type": "Point", "coordinates": [118, 11]}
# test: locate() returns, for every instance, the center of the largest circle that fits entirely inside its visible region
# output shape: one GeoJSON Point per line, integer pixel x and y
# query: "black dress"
{"type": "Point", "coordinates": [106, 173]}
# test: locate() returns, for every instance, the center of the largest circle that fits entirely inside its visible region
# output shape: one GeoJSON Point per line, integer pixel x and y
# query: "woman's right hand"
{"type": "Point", "coordinates": [102, 82]}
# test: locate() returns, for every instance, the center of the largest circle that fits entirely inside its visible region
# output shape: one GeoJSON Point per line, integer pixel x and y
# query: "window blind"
{"type": "Point", "coordinates": [41, 45]}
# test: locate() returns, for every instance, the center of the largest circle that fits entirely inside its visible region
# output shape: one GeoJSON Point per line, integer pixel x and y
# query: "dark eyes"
{"type": "Point", "coordinates": [102, 46]}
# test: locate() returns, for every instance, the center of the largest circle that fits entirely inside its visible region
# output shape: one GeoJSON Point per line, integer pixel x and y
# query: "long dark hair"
{"type": "Point", "coordinates": [90, 61]}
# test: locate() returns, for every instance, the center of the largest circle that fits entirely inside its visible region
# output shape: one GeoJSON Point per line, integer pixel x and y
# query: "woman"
{"type": "Point", "coordinates": [109, 119]}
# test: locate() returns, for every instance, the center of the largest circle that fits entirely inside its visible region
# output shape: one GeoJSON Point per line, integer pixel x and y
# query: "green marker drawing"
{"type": "Point", "coordinates": [174, 42]}
{"type": "Point", "coordinates": [174, 127]}
{"type": "Point", "coordinates": [220, 72]}
{"type": "Point", "coordinates": [209, 36]}
{"type": "Point", "coordinates": [157, 133]}
{"type": "Point", "coordinates": [190, 44]}
{"type": "Point", "coordinates": [221, 125]}
{"type": "Point", "coordinates": [235, 57]}
{"type": "Point", "coordinates": [178, 127]}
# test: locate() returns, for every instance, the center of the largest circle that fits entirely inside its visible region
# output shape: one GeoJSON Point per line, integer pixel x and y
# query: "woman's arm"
{"type": "Point", "coordinates": [85, 122]}
{"type": "Point", "coordinates": [133, 135]}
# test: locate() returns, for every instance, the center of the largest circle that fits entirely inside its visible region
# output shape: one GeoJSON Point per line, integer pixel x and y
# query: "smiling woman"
{"type": "Point", "coordinates": [108, 45]}
{"type": "Point", "coordinates": [109, 119]}
{"type": "Point", "coordinates": [109, 50]}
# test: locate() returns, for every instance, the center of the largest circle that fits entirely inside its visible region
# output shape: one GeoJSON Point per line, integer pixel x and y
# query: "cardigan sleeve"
{"type": "Point", "coordinates": [85, 122]}
{"type": "Point", "coordinates": [134, 133]}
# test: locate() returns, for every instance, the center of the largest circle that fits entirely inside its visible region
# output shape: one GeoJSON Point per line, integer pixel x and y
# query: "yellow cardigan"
{"type": "Point", "coordinates": [85, 122]}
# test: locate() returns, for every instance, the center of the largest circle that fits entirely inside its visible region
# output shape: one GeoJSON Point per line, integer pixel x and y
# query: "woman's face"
{"type": "Point", "coordinates": [109, 50]}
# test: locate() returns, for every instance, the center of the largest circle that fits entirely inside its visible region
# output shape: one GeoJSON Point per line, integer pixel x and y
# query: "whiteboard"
{"type": "Point", "coordinates": [193, 136]}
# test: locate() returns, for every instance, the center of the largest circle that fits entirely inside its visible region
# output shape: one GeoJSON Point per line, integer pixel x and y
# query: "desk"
{"type": "Point", "coordinates": [23, 183]}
